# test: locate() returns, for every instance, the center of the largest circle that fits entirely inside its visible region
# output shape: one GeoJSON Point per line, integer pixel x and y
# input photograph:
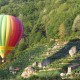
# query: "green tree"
{"type": "Point", "coordinates": [62, 31]}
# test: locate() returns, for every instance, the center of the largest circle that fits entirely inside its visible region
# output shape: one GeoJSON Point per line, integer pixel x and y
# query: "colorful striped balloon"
{"type": "Point", "coordinates": [11, 30]}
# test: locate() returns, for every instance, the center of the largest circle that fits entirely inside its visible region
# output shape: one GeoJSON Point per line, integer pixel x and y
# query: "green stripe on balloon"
{"type": "Point", "coordinates": [8, 30]}
{"type": "Point", "coordinates": [1, 19]}
{"type": "Point", "coordinates": [3, 32]}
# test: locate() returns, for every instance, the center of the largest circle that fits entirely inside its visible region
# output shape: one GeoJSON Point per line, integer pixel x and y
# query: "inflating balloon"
{"type": "Point", "coordinates": [11, 30]}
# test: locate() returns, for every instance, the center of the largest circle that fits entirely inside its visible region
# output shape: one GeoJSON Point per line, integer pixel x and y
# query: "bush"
{"type": "Point", "coordinates": [62, 31]}
{"type": "Point", "coordinates": [76, 24]}
{"type": "Point", "coordinates": [22, 45]}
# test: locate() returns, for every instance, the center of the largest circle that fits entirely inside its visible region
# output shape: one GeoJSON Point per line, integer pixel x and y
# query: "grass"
{"type": "Point", "coordinates": [57, 12]}
{"type": "Point", "coordinates": [22, 61]}
{"type": "Point", "coordinates": [36, 54]}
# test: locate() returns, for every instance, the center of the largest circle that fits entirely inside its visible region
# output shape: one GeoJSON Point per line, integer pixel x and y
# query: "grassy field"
{"type": "Point", "coordinates": [52, 71]}
{"type": "Point", "coordinates": [47, 25]}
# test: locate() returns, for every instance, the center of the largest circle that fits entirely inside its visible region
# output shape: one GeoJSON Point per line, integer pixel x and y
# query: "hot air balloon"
{"type": "Point", "coordinates": [11, 30]}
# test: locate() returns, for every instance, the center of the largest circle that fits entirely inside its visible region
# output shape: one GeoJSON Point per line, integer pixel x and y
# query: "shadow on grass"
{"type": "Point", "coordinates": [74, 64]}
{"type": "Point", "coordinates": [63, 52]}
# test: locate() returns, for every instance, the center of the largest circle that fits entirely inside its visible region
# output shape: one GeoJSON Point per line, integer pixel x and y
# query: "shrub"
{"type": "Point", "coordinates": [62, 31]}
{"type": "Point", "coordinates": [22, 45]}
{"type": "Point", "coordinates": [76, 24]}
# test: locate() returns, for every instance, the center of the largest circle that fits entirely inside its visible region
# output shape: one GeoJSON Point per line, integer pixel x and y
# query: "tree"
{"type": "Point", "coordinates": [62, 31]}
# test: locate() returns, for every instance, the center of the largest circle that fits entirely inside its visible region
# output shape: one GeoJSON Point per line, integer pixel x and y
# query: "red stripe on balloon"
{"type": "Point", "coordinates": [12, 31]}
{"type": "Point", "coordinates": [21, 25]}
{"type": "Point", "coordinates": [17, 32]}
{"type": "Point", "coordinates": [20, 31]}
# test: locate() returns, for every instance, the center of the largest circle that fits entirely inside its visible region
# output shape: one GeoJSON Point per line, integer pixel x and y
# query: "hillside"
{"type": "Point", "coordinates": [49, 26]}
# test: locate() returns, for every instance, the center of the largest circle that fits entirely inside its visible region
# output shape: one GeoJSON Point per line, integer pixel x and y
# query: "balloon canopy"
{"type": "Point", "coordinates": [11, 30]}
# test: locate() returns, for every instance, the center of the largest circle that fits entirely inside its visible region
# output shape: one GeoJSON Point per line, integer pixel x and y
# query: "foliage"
{"type": "Point", "coordinates": [62, 30]}
{"type": "Point", "coordinates": [43, 20]}
{"type": "Point", "coordinates": [22, 45]}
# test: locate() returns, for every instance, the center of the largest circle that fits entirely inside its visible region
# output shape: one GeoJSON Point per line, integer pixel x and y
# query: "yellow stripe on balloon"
{"type": "Point", "coordinates": [2, 55]}
{"type": "Point", "coordinates": [6, 48]}
{"type": "Point", "coordinates": [8, 31]}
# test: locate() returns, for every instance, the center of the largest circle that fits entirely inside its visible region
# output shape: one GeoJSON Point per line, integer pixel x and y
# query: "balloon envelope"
{"type": "Point", "coordinates": [11, 30]}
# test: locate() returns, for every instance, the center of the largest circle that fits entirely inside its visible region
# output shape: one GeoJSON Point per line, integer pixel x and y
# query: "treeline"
{"type": "Point", "coordinates": [43, 19]}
